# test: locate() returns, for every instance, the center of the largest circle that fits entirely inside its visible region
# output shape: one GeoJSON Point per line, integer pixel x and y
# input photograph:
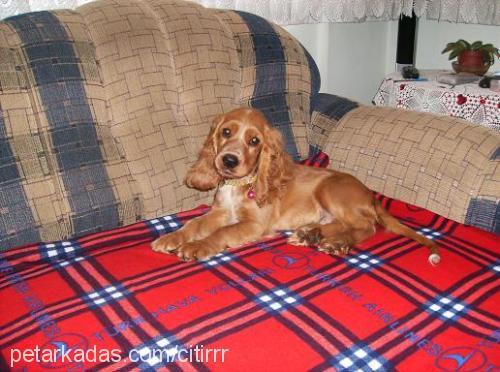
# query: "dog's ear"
{"type": "Point", "coordinates": [274, 168]}
{"type": "Point", "coordinates": [203, 175]}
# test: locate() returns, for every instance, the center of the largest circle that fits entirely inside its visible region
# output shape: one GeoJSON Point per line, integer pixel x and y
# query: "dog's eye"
{"type": "Point", "coordinates": [254, 141]}
{"type": "Point", "coordinates": [226, 132]}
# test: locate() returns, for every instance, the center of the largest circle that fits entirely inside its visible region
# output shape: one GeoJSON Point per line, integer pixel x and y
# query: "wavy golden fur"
{"type": "Point", "coordinates": [260, 190]}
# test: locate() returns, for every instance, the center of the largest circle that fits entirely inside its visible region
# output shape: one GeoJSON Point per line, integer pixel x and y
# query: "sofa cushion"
{"type": "Point", "coordinates": [440, 163]}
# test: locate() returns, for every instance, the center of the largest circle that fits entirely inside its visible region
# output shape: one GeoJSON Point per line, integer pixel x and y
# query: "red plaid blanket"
{"type": "Point", "coordinates": [107, 301]}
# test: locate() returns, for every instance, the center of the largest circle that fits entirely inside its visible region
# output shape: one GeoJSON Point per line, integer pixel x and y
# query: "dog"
{"type": "Point", "coordinates": [260, 190]}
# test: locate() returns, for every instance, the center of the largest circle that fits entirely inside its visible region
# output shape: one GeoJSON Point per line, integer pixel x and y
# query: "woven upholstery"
{"type": "Point", "coordinates": [327, 110]}
{"type": "Point", "coordinates": [103, 109]}
{"type": "Point", "coordinates": [440, 163]}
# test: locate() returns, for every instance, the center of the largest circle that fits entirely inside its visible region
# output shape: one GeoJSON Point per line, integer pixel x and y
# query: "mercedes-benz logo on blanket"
{"type": "Point", "coordinates": [462, 359]}
{"type": "Point", "coordinates": [291, 261]}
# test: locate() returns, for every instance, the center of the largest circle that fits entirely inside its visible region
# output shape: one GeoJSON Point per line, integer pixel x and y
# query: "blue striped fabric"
{"type": "Point", "coordinates": [332, 106]}
{"type": "Point", "coordinates": [315, 77]}
{"type": "Point", "coordinates": [484, 214]}
{"type": "Point", "coordinates": [17, 225]}
{"type": "Point", "coordinates": [270, 85]}
{"type": "Point", "coordinates": [496, 154]}
{"type": "Point", "coordinates": [54, 64]}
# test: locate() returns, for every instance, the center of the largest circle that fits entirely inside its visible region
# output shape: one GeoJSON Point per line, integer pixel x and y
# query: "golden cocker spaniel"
{"type": "Point", "coordinates": [260, 190]}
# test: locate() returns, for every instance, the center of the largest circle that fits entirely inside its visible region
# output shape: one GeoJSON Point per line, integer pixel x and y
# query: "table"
{"type": "Point", "coordinates": [467, 101]}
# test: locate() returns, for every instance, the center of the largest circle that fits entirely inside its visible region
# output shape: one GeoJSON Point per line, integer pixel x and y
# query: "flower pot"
{"type": "Point", "coordinates": [471, 61]}
{"type": "Point", "coordinates": [480, 71]}
{"type": "Point", "coordinates": [471, 58]}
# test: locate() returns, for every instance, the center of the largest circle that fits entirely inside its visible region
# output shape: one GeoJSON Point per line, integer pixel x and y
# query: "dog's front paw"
{"type": "Point", "coordinates": [169, 242]}
{"type": "Point", "coordinates": [197, 250]}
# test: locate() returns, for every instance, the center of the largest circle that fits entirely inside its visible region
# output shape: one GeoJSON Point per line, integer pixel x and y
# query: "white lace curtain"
{"type": "Point", "coordinates": [287, 12]}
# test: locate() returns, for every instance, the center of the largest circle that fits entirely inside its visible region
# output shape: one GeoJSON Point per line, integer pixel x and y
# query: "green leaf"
{"type": "Point", "coordinates": [476, 45]}
{"type": "Point", "coordinates": [449, 46]}
{"type": "Point", "coordinates": [489, 48]}
{"type": "Point", "coordinates": [447, 49]}
{"type": "Point", "coordinates": [466, 44]}
{"type": "Point", "coordinates": [494, 50]}
{"type": "Point", "coordinates": [453, 54]}
{"type": "Point", "coordinates": [488, 59]}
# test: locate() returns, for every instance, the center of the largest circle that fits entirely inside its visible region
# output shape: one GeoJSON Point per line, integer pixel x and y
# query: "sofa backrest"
{"type": "Point", "coordinates": [103, 109]}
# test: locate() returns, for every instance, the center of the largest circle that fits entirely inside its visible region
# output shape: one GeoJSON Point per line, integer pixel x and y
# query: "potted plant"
{"type": "Point", "coordinates": [475, 58]}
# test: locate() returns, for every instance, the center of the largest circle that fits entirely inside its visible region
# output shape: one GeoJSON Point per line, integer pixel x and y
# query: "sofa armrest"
{"type": "Point", "coordinates": [326, 111]}
{"type": "Point", "coordinates": [440, 163]}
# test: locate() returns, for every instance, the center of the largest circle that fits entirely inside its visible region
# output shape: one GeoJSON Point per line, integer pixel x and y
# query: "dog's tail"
{"type": "Point", "coordinates": [393, 225]}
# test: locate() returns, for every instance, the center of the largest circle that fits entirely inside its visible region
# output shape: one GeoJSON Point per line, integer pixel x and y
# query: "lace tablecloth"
{"type": "Point", "coordinates": [467, 101]}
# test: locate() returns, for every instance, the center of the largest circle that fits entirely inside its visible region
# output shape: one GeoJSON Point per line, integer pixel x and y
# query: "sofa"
{"type": "Point", "coordinates": [102, 111]}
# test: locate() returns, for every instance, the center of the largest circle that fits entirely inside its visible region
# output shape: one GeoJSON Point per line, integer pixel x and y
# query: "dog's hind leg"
{"type": "Point", "coordinates": [334, 238]}
{"type": "Point", "coordinates": [349, 203]}
{"type": "Point", "coordinates": [337, 238]}
{"type": "Point", "coordinates": [306, 235]}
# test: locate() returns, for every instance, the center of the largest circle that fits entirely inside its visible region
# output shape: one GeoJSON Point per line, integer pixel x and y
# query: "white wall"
{"type": "Point", "coordinates": [432, 37]}
{"type": "Point", "coordinates": [353, 58]}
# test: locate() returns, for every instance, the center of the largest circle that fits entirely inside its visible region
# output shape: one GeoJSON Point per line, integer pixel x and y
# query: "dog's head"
{"type": "Point", "coordinates": [241, 143]}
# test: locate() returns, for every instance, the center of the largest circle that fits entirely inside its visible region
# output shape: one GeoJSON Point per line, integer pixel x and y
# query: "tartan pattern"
{"type": "Point", "coordinates": [163, 225]}
{"type": "Point", "coordinates": [278, 299]}
{"type": "Point", "coordinates": [400, 314]}
{"type": "Point", "coordinates": [429, 233]}
{"type": "Point", "coordinates": [496, 267]}
{"type": "Point", "coordinates": [63, 263]}
{"type": "Point", "coordinates": [359, 358]}
{"type": "Point", "coordinates": [364, 261]}
{"type": "Point", "coordinates": [446, 308]}
{"type": "Point", "coordinates": [146, 351]}
{"type": "Point", "coordinates": [106, 295]}
{"type": "Point", "coordinates": [59, 250]}
{"type": "Point", "coordinates": [218, 259]}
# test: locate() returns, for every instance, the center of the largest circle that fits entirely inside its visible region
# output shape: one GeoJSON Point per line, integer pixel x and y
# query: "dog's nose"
{"type": "Point", "coordinates": [230, 160]}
